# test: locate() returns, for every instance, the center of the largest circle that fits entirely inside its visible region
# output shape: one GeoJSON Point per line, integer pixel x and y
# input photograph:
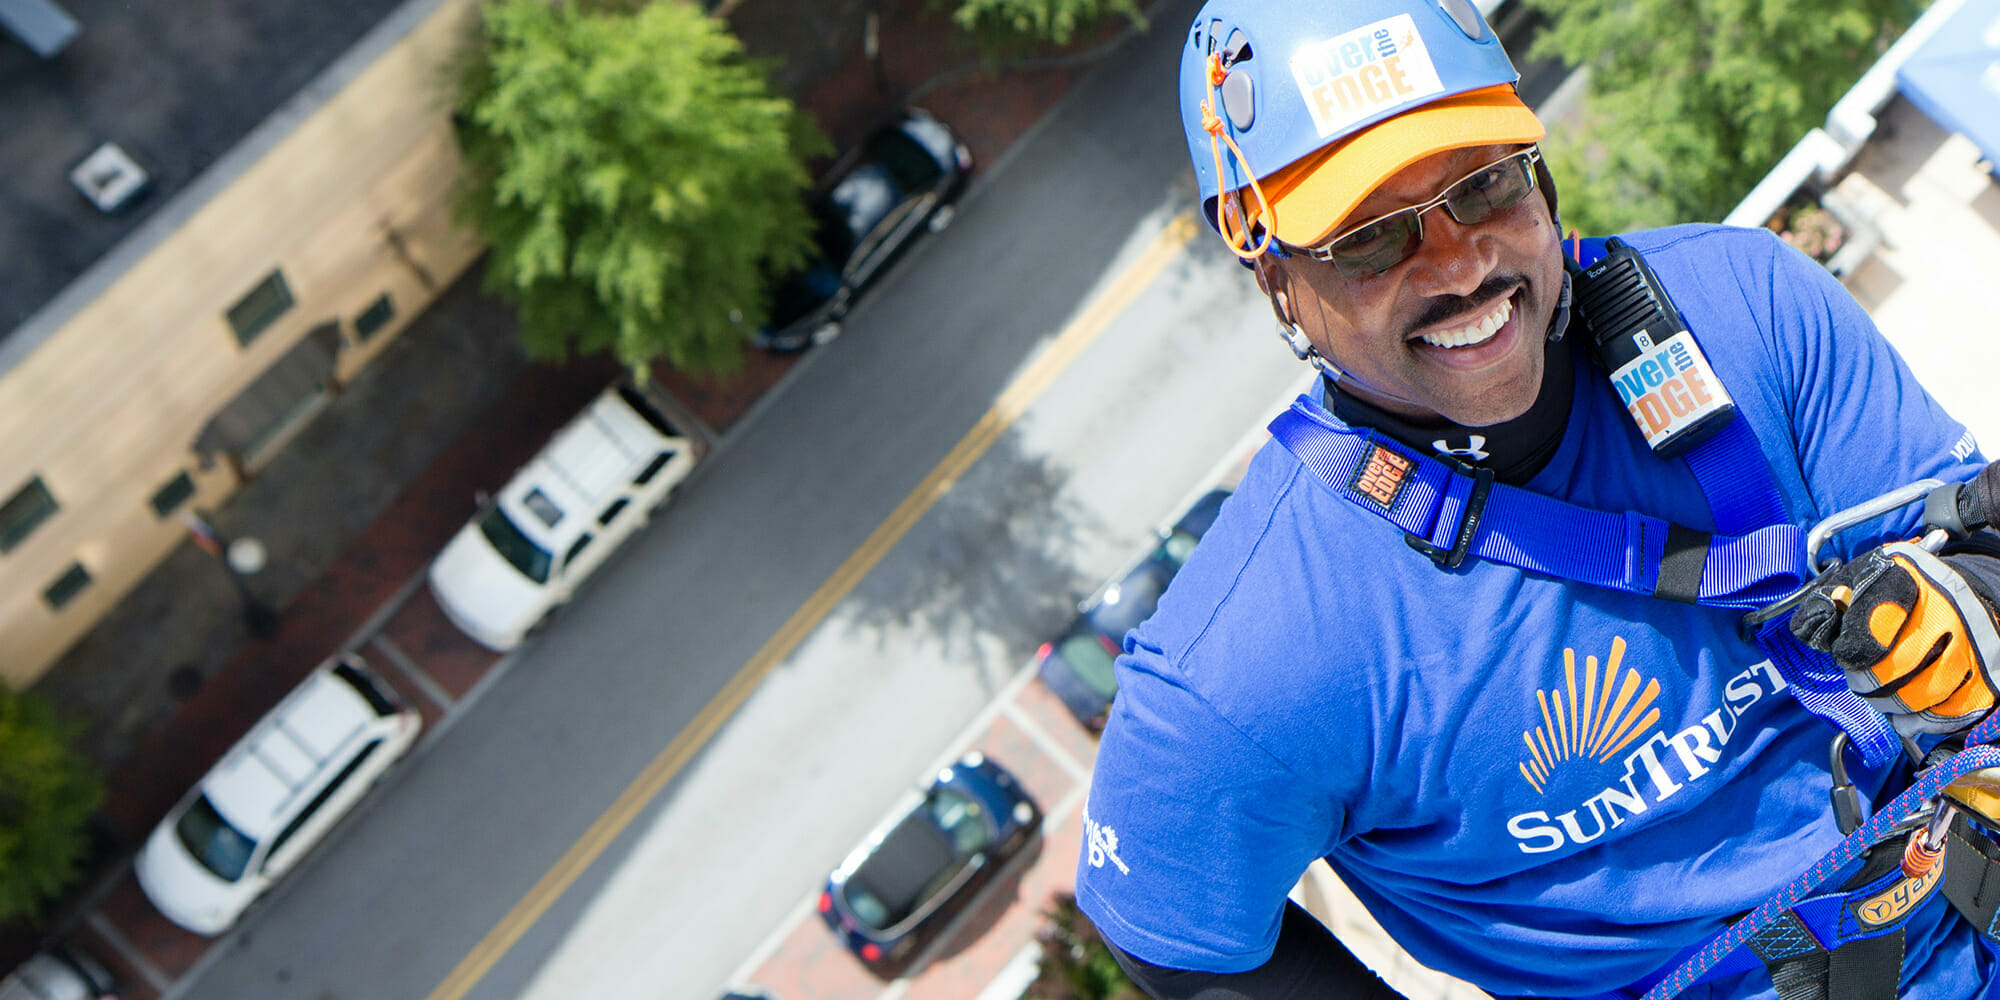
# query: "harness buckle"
{"type": "Point", "coordinates": [1468, 522]}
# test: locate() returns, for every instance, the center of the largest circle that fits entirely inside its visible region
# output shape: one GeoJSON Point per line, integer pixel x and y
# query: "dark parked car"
{"type": "Point", "coordinates": [1077, 665]}
{"type": "Point", "coordinates": [901, 888]}
{"type": "Point", "coordinates": [897, 185]}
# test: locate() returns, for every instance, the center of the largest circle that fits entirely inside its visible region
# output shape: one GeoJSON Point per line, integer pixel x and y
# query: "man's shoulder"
{"type": "Point", "coordinates": [1282, 547]}
{"type": "Point", "coordinates": [1706, 251]}
{"type": "Point", "coordinates": [1702, 237]}
{"type": "Point", "coordinates": [1736, 287]}
{"type": "Point", "coordinates": [1279, 511]}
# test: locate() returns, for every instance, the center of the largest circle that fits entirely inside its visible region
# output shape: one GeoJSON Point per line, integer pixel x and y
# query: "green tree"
{"type": "Point", "coordinates": [48, 793]}
{"type": "Point", "coordinates": [1598, 175]}
{"type": "Point", "coordinates": [1076, 963]}
{"type": "Point", "coordinates": [1693, 101]}
{"type": "Point", "coordinates": [637, 181]}
{"type": "Point", "coordinates": [1008, 23]}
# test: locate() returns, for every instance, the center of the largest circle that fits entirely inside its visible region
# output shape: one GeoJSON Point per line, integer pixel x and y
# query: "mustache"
{"type": "Point", "coordinates": [1494, 288]}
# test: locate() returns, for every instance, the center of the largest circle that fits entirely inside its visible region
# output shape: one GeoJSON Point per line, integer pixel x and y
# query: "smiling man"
{"type": "Point", "coordinates": [1471, 627]}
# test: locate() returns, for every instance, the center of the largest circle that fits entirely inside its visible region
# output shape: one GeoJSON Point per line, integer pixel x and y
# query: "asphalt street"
{"type": "Point", "coordinates": [1139, 408]}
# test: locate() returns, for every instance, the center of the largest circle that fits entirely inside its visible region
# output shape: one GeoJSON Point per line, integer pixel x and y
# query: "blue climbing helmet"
{"type": "Point", "coordinates": [1299, 109]}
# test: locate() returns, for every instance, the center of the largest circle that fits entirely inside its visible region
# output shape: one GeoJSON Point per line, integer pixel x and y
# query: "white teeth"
{"type": "Point", "coordinates": [1475, 333]}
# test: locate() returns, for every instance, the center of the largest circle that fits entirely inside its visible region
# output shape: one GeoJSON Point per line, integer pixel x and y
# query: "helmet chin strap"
{"type": "Point", "coordinates": [1302, 348]}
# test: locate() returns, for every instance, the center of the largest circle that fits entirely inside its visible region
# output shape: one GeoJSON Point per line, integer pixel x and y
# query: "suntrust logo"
{"type": "Point", "coordinates": [1592, 726]}
{"type": "Point", "coordinates": [1596, 725]}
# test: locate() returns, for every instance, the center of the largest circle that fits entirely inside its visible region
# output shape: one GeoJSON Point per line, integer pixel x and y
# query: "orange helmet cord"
{"type": "Point", "coordinates": [1218, 135]}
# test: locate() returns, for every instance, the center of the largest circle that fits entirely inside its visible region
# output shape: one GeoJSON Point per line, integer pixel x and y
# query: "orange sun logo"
{"type": "Point", "coordinates": [1608, 713]}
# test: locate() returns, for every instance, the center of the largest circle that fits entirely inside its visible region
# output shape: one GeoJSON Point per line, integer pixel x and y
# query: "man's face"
{"type": "Point", "coordinates": [1390, 331]}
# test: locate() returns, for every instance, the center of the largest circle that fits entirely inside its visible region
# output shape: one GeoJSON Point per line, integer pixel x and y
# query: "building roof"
{"type": "Point", "coordinates": [178, 87]}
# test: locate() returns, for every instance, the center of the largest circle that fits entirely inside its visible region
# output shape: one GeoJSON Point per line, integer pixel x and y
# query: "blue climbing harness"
{"type": "Point", "coordinates": [1843, 943]}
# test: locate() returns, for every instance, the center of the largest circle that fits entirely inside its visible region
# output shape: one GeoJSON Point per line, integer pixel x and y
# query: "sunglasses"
{"type": "Point", "coordinates": [1387, 240]}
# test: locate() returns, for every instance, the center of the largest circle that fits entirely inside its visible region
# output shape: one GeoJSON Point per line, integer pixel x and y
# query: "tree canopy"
{"type": "Point", "coordinates": [1693, 101]}
{"type": "Point", "coordinates": [1055, 22]}
{"type": "Point", "coordinates": [48, 793]}
{"type": "Point", "coordinates": [635, 178]}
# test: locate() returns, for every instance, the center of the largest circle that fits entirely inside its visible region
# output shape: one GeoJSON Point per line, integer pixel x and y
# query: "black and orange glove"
{"type": "Point", "coordinates": [1915, 633]}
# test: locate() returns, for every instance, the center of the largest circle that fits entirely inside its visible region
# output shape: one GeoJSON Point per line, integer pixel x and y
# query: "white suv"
{"type": "Point", "coordinates": [274, 794]}
{"type": "Point", "coordinates": [58, 973]}
{"type": "Point", "coordinates": [594, 484]}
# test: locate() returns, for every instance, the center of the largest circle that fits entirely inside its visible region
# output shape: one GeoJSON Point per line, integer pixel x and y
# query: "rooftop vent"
{"type": "Point", "coordinates": [109, 177]}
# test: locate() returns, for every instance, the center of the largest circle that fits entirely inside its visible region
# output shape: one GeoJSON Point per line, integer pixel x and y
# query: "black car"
{"type": "Point", "coordinates": [1077, 665]}
{"type": "Point", "coordinates": [901, 888]}
{"type": "Point", "coordinates": [897, 185]}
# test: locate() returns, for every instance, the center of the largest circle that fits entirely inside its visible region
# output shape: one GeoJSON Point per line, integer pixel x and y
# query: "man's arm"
{"type": "Point", "coordinates": [1309, 963]}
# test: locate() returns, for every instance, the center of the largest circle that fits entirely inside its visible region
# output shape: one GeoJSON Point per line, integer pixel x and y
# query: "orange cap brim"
{"type": "Point", "coordinates": [1312, 196]}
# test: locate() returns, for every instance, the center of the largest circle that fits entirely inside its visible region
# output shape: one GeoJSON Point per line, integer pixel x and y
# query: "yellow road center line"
{"type": "Point", "coordinates": [1013, 402]}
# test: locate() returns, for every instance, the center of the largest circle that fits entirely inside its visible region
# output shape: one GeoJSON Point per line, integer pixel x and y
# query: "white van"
{"type": "Point", "coordinates": [589, 489]}
{"type": "Point", "coordinates": [274, 794]}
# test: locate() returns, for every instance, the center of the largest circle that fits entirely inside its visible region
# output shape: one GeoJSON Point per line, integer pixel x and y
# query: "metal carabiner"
{"type": "Point", "coordinates": [1847, 812]}
{"type": "Point", "coordinates": [1839, 521]}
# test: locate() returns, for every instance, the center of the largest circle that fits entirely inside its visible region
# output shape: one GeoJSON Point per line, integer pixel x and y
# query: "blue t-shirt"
{"type": "Point", "coordinates": [1540, 787]}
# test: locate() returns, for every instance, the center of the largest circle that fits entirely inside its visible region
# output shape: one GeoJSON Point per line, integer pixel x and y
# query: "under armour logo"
{"type": "Point", "coordinates": [1103, 843]}
{"type": "Point", "coordinates": [1474, 449]}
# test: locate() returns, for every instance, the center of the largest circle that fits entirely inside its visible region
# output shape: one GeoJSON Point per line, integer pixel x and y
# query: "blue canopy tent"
{"type": "Point", "coordinates": [1954, 77]}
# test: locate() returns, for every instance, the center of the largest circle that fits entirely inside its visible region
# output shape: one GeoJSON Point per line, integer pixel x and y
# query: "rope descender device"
{"type": "Point", "coordinates": [1218, 135]}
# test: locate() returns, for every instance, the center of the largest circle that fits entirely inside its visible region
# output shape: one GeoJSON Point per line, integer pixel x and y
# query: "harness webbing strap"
{"type": "Point", "coordinates": [1818, 950]}
{"type": "Point", "coordinates": [1972, 881]}
{"type": "Point", "coordinates": [1868, 969]}
{"type": "Point", "coordinates": [1682, 564]}
{"type": "Point", "coordinates": [1451, 512]}
{"type": "Point", "coordinates": [1742, 495]}
{"type": "Point", "coordinates": [1435, 503]}
{"type": "Point", "coordinates": [1821, 687]}
{"type": "Point", "coordinates": [1843, 854]}
{"type": "Point", "coordinates": [1802, 978]}
{"type": "Point", "coordinates": [1782, 940]}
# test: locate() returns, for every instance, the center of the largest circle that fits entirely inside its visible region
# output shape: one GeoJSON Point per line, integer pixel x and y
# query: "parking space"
{"type": "Point", "coordinates": [414, 649]}
{"type": "Point", "coordinates": [992, 951]}
{"type": "Point", "coordinates": [434, 667]}
{"type": "Point", "coordinates": [405, 636]}
{"type": "Point", "coordinates": [427, 648]}
{"type": "Point", "coordinates": [156, 950]}
{"type": "Point", "coordinates": [1029, 733]}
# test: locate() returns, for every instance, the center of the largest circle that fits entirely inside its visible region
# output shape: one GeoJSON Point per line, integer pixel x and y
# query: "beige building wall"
{"type": "Point", "coordinates": [352, 203]}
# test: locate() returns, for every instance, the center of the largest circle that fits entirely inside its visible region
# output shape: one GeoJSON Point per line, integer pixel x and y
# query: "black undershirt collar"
{"type": "Point", "coordinates": [1515, 450]}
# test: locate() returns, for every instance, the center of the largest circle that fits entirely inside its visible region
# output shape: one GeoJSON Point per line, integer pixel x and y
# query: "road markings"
{"type": "Point", "coordinates": [152, 974]}
{"type": "Point", "coordinates": [1019, 973]}
{"type": "Point", "coordinates": [411, 669]}
{"type": "Point", "coordinates": [1012, 403]}
{"type": "Point", "coordinates": [1078, 772]}
{"type": "Point", "coordinates": [379, 618]}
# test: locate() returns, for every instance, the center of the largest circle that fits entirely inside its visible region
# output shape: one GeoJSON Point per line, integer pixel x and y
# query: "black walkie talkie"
{"type": "Point", "coordinates": [1640, 338]}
